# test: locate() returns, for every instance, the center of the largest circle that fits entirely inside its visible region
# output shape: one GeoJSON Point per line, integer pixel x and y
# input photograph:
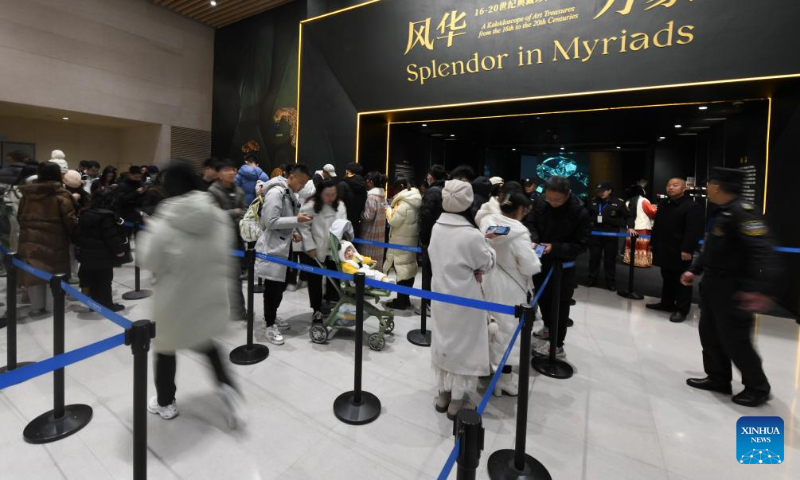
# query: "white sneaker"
{"type": "Point", "coordinates": [302, 284]}
{"type": "Point", "coordinates": [508, 383]}
{"type": "Point", "coordinates": [236, 414]}
{"type": "Point", "coordinates": [167, 413]}
{"type": "Point", "coordinates": [543, 334]}
{"type": "Point", "coordinates": [291, 287]}
{"type": "Point", "coordinates": [274, 335]}
{"type": "Point", "coordinates": [281, 323]}
{"type": "Point", "coordinates": [544, 351]}
{"type": "Point", "coordinates": [317, 317]}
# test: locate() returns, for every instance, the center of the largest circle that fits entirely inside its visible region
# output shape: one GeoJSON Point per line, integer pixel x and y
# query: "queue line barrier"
{"type": "Point", "coordinates": [64, 420]}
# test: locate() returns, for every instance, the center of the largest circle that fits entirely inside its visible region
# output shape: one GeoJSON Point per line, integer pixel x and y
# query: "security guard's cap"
{"type": "Point", "coordinates": [602, 187]}
{"type": "Point", "coordinates": [730, 178]}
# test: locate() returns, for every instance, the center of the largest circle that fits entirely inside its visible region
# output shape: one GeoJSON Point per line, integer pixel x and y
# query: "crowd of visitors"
{"type": "Point", "coordinates": [480, 238]}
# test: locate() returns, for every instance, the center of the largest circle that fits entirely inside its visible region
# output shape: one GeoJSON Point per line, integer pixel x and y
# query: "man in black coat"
{"type": "Point", "coordinates": [429, 214]}
{"type": "Point", "coordinates": [19, 166]}
{"type": "Point", "coordinates": [561, 224]}
{"type": "Point", "coordinates": [677, 231]}
{"type": "Point", "coordinates": [130, 192]}
{"type": "Point", "coordinates": [353, 192]}
{"type": "Point", "coordinates": [608, 214]}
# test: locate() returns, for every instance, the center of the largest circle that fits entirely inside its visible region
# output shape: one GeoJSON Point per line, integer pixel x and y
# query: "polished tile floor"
{"type": "Point", "coordinates": [626, 414]}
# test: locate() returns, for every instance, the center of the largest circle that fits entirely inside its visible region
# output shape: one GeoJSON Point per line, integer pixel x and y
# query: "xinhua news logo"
{"type": "Point", "coordinates": [759, 440]}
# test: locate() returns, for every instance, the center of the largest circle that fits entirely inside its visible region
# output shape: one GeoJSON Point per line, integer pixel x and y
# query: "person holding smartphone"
{"type": "Point", "coordinates": [510, 282]}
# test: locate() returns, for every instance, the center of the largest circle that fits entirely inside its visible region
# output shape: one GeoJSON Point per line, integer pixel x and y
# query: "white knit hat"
{"type": "Point", "coordinates": [58, 158]}
{"type": "Point", "coordinates": [456, 196]}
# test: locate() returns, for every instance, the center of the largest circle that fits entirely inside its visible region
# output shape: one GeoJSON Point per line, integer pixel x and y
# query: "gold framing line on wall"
{"type": "Point", "coordinates": [589, 110]}
{"type": "Point", "coordinates": [297, 101]}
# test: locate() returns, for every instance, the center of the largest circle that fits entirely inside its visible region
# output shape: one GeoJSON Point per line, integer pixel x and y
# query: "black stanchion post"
{"type": "Point", "coordinates": [138, 337]}
{"type": "Point", "coordinates": [10, 318]}
{"type": "Point", "coordinates": [62, 421]}
{"type": "Point", "coordinates": [550, 365]}
{"type": "Point", "coordinates": [357, 407]}
{"type": "Point", "coordinates": [469, 428]}
{"type": "Point", "coordinates": [422, 336]}
{"type": "Point", "coordinates": [250, 352]}
{"type": "Point", "coordinates": [630, 294]}
{"type": "Point", "coordinates": [137, 293]}
{"type": "Point", "coordinates": [516, 464]}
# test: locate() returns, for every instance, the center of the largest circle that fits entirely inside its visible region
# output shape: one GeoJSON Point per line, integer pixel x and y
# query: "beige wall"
{"type": "Point", "coordinates": [120, 58]}
{"type": "Point", "coordinates": [79, 142]}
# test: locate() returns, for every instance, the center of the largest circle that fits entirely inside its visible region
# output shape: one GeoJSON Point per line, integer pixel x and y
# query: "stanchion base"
{"type": "Point", "coordinates": [45, 428]}
{"type": "Point", "coordinates": [134, 295]}
{"type": "Point", "coordinates": [19, 364]}
{"type": "Point", "coordinates": [420, 338]}
{"type": "Point", "coordinates": [631, 295]}
{"type": "Point", "coordinates": [248, 356]}
{"type": "Point", "coordinates": [501, 467]}
{"type": "Point", "coordinates": [346, 410]}
{"type": "Point", "coordinates": [553, 369]}
{"type": "Point", "coordinates": [258, 288]}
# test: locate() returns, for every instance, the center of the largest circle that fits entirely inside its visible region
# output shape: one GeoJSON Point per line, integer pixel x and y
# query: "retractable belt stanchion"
{"type": "Point", "coordinates": [138, 337]}
{"type": "Point", "coordinates": [137, 293]}
{"type": "Point", "coordinates": [516, 464]}
{"type": "Point", "coordinates": [468, 430]}
{"type": "Point", "coordinates": [249, 353]}
{"type": "Point", "coordinates": [358, 407]}
{"type": "Point", "coordinates": [422, 336]}
{"type": "Point", "coordinates": [62, 421]}
{"type": "Point", "coordinates": [10, 318]}
{"type": "Point", "coordinates": [630, 294]}
{"type": "Point", "coordinates": [550, 365]}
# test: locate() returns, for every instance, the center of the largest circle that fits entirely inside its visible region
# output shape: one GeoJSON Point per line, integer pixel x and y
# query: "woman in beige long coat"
{"type": "Point", "coordinates": [403, 216]}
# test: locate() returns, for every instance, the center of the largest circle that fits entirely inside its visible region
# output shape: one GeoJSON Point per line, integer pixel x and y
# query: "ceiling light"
{"type": "Point", "coordinates": [661, 139]}
{"type": "Point", "coordinates": [702, 107]}
{"type": "Point", "coordinates": [513, 149]}
{"type": "Point", "coordinates": [64, 118]}
{"type": "Point", "coordinates": [562, 148]}
{"type": "Point", "coordinates": [424, 124]}
{"type": "Point", "coordinates": [619, 148]}
{"type": "Point", "coordinates": [452, 134]}
{"type": "Point", "coordinates": [213, 3]}
{"type": "Point", "coordinates": [678, 126]}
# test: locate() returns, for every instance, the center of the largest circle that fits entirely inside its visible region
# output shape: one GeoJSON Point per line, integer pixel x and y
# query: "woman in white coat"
{"type": "Point", "coordinates": [459, 256]}
{"type": "Point", "coordinates": [324, 208]}
{"type": "Point", "coordinates": [510, 282]}
{"type": "Point", "coordinates": [403, 216]}
{"type": "Point", "coordinates": [187, 244]}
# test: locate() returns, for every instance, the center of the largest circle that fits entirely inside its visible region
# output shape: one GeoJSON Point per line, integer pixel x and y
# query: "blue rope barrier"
{"type": "Point", "coordinates": [27, 372]}
{"type": "Point", "coordinates": [451, 459]}
{"type": "Point", "coordinates": [306, 268]}
{"type": "Point", "coordinates": [32, 270]}
{"type": "Point", "coordinates": [114, 317]}
{"type": "Point", "coordinates": [391, 246]}
{"type": "Point", "coordinates": [618, 235]}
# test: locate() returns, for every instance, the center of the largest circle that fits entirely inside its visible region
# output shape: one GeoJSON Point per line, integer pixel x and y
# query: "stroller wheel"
{"type": "Point", "coordinates": [376, 342]}
{"type": "Point", "coordinates": [389, 325]}
{"type": "Point", "coordinates": [318, 333]}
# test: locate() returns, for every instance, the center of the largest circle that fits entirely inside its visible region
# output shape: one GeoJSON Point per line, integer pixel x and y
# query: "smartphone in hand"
{"type": "Point", "coordinates": [539, 250]}
{"type": "Point", "coordinates": [499, 230]}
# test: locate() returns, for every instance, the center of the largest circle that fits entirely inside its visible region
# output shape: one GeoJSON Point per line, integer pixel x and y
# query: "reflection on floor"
{"type": "Point", "coordinates": [626, 414]}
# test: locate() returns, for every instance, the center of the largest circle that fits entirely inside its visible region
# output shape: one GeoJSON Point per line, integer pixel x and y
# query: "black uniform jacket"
{"type": "Point", "coordinates": [678, 228]}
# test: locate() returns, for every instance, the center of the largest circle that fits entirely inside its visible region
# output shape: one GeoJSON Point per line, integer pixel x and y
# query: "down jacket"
{"type": "Point", "coordinates": [247, 178]}
{"type": "Point", "coordinates": [46, 222]}
{"type": "Point", "coordinates": [316, 232]}
{"type": "Point", "coordinates": [187, 245]}
{"type": "Point", "coordinates": [404, 219]}
{"type": "Point", "coordinates": [278, 222]}
{"type": "Point", "coordinates": [99, 239]}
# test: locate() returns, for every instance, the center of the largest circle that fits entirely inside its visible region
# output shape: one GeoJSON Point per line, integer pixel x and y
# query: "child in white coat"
{"type": "Point", "coordinates": [353, 262]}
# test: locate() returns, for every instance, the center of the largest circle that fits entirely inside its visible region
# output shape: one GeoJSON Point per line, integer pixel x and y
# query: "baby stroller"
{"type": "Point", "coordinates": [341, 229]}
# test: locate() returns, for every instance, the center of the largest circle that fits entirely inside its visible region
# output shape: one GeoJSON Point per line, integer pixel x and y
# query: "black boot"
{"type": "Point", "coordinates": [710, 384]}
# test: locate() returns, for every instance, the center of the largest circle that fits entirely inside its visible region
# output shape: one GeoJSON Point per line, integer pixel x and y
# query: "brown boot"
{"type": "Point", "coordinates": [455, 406]}
{"type": "Point", "coordinates": [442, 402]}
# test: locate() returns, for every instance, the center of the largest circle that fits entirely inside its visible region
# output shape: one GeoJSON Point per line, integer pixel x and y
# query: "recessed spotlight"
{"type": "Point", "coordinates": [424, 124]}
{"type": "Point", "coordinates": [64, 118]}
{"type": "Point", "coordinates": [678, 126]}
{"type": "Point", "coordinates": [702, 107]}
{"type": "Point", "coordinates": [213, 3]}
{"type": "Point", "coordinates": [452, 134]}
{"type": "Point", "coordinates": [661, 139]}
{"type": "Point", "coordinates": [513, 149]}
{"type": "Point", "coordinates": [619, 148]}
{"type": "Point", "coordinates": [562, 148]}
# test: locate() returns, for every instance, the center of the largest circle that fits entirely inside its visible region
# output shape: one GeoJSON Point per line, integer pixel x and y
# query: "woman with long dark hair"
{"type": "Point", "coordinates": [324, 208]}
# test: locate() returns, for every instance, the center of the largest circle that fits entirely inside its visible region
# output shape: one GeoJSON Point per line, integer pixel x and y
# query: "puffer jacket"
{"type": "Point", "coordinates": [404, 220]}
{"type": "Point", "coordinates": [187, 244]}
{"type": "Point", "coordinates": [99, 239]}
{"type": "Point", "coordinates": [230, 200]}
{"type": "Point", "coordinates": [278, 222]}
{"type": "Point", "coordinates": [46, 221]}
{"type": "Point", "coordinates": [247, 178]}
{"type": "Point", "coordinates": [316, 232]}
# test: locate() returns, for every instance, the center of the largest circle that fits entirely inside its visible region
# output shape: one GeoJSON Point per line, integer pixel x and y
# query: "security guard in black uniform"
{"type": "Point", "coordinates": [738, 263]}
{"type": "Point", "coordinates": [608, 214]}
